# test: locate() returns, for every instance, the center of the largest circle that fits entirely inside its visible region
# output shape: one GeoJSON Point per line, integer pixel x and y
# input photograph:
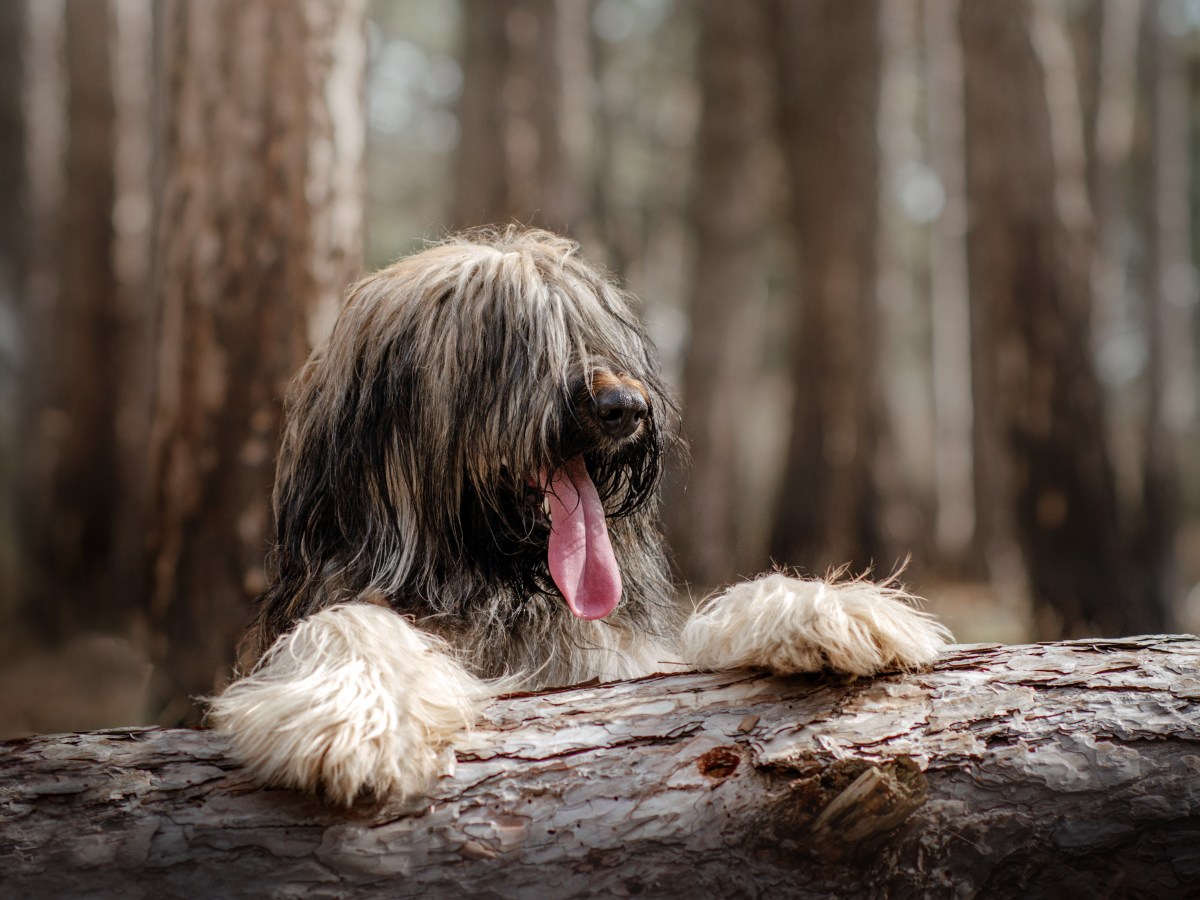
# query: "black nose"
{"type": "Point", "coordinates": [620, 410]}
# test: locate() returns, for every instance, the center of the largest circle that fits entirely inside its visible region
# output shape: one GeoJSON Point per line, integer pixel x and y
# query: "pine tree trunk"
{"type": "Point", "coordinates": [950, 316]}
{"type": "Point", "coordinates": [1116, 52]}
{"type": "Point", "coordinates": [85, 489]}
{"type": "Point", "coordinates": [1063, 770]}
{"type": "Point", "coordinates": [1168, 386]}
{"type": "Point", "coordinates": [827, 55]}
{"type": "Point", "coordinates": [13, 50]}
{"type": "Point", "coordinates": [13, 267]}
{"type": "Point", "coordinates": [135, 313]}
{"type": "Point", "coordinates": [1040, 414]}
{"type": "Point", "coordinates": [521, 116]}
{"type": "Point", "coordinates": [67, 486]}
{"type": "Point", "coordinates": [725, 316]}
{"type": "Point", "coordinates": [260, 229]}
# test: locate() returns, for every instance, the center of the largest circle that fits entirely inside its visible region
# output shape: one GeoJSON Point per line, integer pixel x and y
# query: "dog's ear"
{"type": "Point", "coordinates": [340, 471]}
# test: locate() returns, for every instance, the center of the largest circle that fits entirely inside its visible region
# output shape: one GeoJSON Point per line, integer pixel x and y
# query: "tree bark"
{"type": "Point", "coordinates": [1040, 414]}
{"type": "Point", "coordinates": [260, 232]}
{"type": "Point", "coordinates": [828, 60]}
{"type": "Point", "coordinates": [136, 313]}
{"type": "Point", "coordinates": [1038, 771]}
{"type": "Point", "coordinates": [728, 208]}
{"type": "Point", "coordinates": [906, 454]}
{"type": "Point", "coordinates": [950, 314]}
{"type": "Point", "coordinates": [14, 34]}
{"type": "Point", "coordinates": [1110, 144]}
{"type": "Point", "coordinates": [1167, 392]}
{"type": "Point", "coordinates": [67, 487]}
{"type": "Point", "coordinates": [13, 49]}
{"type": "Point", "coordinates": [524, 113]}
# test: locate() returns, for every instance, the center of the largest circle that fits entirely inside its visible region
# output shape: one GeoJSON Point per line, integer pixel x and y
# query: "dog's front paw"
{"type": "Point", "coordinates": [789, 625]}
{"type": "Point", "coordinates": [353, 701]}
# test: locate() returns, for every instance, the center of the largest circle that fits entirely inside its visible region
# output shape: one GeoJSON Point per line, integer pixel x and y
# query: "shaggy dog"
{"type": "Point", "coordinates": [466, 503]}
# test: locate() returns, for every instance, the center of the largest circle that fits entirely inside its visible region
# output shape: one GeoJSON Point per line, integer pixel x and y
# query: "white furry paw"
{"type": "Point", "coordinates": [353, 701]}
{"type": "Point", "coordinates": [788, 625]}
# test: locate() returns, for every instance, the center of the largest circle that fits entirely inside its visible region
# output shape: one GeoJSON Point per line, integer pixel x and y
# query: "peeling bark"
{"type": "Point", "coordinates": [1067, 769]}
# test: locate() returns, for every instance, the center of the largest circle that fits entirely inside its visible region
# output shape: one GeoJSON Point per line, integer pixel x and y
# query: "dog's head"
{"type": "Point", "coordinates": [486, 415]}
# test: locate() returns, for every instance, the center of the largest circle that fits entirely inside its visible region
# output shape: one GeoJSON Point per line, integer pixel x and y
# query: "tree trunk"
{"type": "Point", "coordinates": [13, 51]}
{"type": "Point", "coordinates": [728, 207]}
{"type": "Point", "coordinates": [904, 451]}
{"type": "Point", "coordinates": [136, 313]}
{"type": "Point", "coordinates": [82, 334]}
{"type": "Point", "coordinates": [85, 487]}
{"type": "Point", "coordinates": [950, 316]}
{"type": "Point", "coordinates": [1116, 52]}
{"type": "Point", "coordinates": [42, 180]}
{"type": "Point", "coordinates": [260, 226]}
{"type": "Point", "coordinates": [480, 188]}
{"type": "Point", "coordinates": [67, 487]}
{"type": "Point", "coordinates": [1038, 401]}
{"type": "Point", "coordinates": [1168, 396]}
{"type": "Point", "coordinates": [1025, 772]}
{"type": "Point", "coordinates": [13, 266]}
{"type": "Point", "coordinates": [828, 59]}
{"type": "Point", "coordinates": [524, 112]}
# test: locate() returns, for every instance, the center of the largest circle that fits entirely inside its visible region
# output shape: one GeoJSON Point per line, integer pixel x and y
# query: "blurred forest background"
{"type": "Point", "coordinates": [922, 273]}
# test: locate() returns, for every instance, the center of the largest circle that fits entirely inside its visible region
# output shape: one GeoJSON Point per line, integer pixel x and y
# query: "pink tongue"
{"type": "Point", "coordinates": [581, 556]}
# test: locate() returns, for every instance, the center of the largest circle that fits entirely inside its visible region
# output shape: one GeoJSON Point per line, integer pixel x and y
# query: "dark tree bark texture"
{"type": "Point", "coordinates": [828, 58]}
{"type": "Point", "coordinates": [1038, 403]}
{"type": "Point", "coordinates": [259, 224]}
{"type": "Point", "coordinates": [1054, 770]}
{"type": "Point", "coordinates": [514, 161]}
{"type": "Point", "coordinates": [719, 364]}
{"type": "Point", "coordinates": [13, 251]}
{"type": "Point", "coordinates": [13, 36]}
{"type": "Point", "coordinates": [68, 484]}
{"type": "Point", "coordinates": [1168, 324]}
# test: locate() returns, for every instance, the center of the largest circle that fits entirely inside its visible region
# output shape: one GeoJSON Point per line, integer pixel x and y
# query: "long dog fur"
{"type": "Point", "coordinates": [454, 402]}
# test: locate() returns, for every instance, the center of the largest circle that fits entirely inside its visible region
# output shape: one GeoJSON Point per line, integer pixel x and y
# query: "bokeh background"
{"type": "Point", "coordinates": [921, 272]}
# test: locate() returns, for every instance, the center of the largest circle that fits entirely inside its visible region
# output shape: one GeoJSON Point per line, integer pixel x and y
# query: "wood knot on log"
{"type": "Point", "coordinates": [719, 763]}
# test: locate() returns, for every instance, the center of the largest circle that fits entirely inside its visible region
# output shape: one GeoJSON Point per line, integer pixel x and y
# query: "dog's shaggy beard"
{"type": "Point", "coordinates": [420, 441]}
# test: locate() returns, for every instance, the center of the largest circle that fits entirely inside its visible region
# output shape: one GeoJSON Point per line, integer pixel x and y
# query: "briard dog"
{"type": "Point", "coordinates": [466, 503]}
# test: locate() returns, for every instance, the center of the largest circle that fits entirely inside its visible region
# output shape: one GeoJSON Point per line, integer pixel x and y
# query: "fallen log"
{"type": "Point", "coordinates": [1068, 769]}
